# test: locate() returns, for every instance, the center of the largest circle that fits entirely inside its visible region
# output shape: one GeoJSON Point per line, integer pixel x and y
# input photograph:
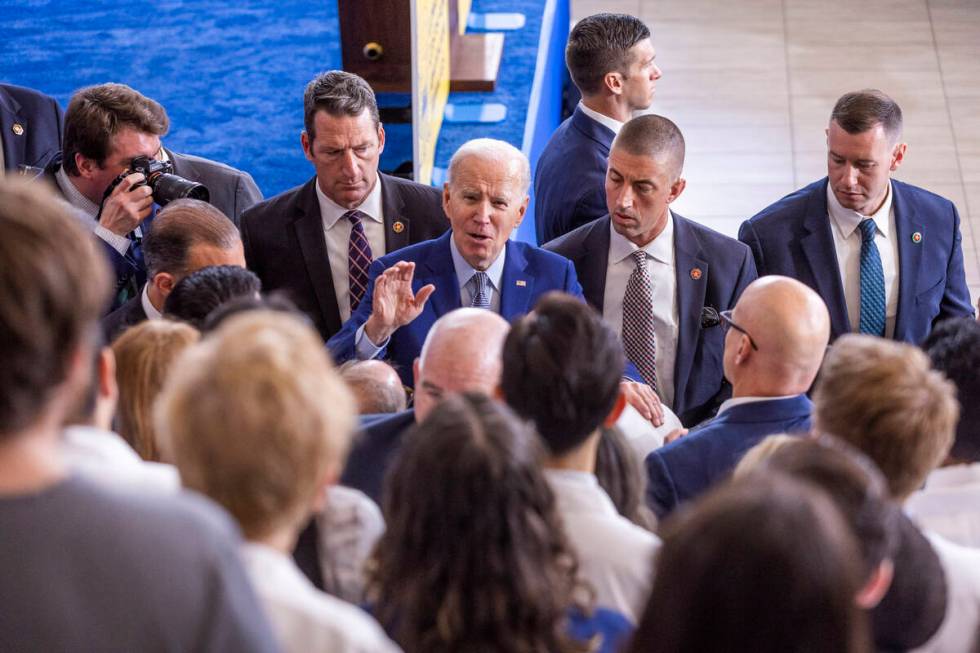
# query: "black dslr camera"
{"type": "Point", "coordinates": [160, 177]}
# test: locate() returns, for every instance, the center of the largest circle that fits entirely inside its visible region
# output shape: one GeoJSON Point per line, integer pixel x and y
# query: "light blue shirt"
{"type": "Point", "coordinates": [366, 349]}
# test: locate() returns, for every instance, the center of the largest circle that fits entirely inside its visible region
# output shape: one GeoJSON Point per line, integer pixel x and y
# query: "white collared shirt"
{"type": "Point", "coordinates": [91, 210]}
{"type": "Point", "coordinates": [104, 457]}
{"type": "Point", "coordinates": [847, 242]}
{"type": "Point", "coordinates": [465, 273]}
{"type": "Point", "coordinates": [304, 618]}
{"type": "Point", "coordinates": [739, 401]}
{"type": "Point", "coordinates": [337, 233]}
{"type": "Point", "coordinates": [660, 263]}
{"type": "Point", "coordinates": [151, 311]}
{"type": "Point", "coordinates": [611, 123]}
{"type": "Point", "coordinates": [615, 555]}
{"type": "Point", "coordinates": [961, 565]}
{"type": "Point", "coordinates": [950, 504]}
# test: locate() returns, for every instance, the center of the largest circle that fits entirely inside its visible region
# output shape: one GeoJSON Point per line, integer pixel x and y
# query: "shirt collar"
{"type": "Point", "coordinates": [331, 212]}
{"type": "Point", "coordinates": [738, 401]}
{"type": "Point", "coordinates": [660, 248]}
{"type": "Point", "coordinates": [847, 220]}
{"type": "Point", "coordinates": [465, 272]}
{"type": "Point", "coordinates": [151, 311]}
{"type": "Point", "coordinates": [601, 118]}
{"type": "Point", "coordinates": [74, 196]}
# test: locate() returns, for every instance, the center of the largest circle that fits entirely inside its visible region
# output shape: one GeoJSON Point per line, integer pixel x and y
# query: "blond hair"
{"type": "Point", "coordinates": [256, 416]}
{"type": "Point", "coordinates": [145, 354]}
{"type": "Point", "coordinates": [884, 398]}
{"type": "Point", "coordinates": [761, 452]}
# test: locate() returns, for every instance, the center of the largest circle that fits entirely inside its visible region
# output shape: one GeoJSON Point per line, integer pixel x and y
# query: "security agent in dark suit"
{"type": "Point", "coordinates": [610, 59]}
{"type": "Point", "coordinates": [692, 270]}
{"type": "Point", "coordinates": [885, 256]}
{"type": "Point", "coordinates": [308, 240]}
{"type": "Point", "coordinates": [775, 340]}
{"type": "Point", "coordinates": [30, 127]}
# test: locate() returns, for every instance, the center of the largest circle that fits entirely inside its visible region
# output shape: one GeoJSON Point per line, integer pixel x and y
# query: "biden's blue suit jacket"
{"type": "Point", "coordinates": [687, 467]}
{"type": "Point", "coordinates": [529, 272]}
{"type": "Point", "coordinates": [570, 178]}
{"type": "Point", "coordinates": [793, 238]}
{"type": "Point", "coordinates": [712, 271]}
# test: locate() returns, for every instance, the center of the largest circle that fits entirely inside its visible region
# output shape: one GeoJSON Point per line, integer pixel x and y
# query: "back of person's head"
{"type": "Point", "coordinates": [476, 540]}
{"type": "Point", "coordinates": [376, 386]}
{"type": "Point", "coordinates": [860, 111]}
{"type": "Point", "coordinates": [761, 564]}
{"type": "Point", "coordinates": [55, 285]}
{"type": "Point", "coordinates": [954, 348]}
{"type": "Point", "coordinates": [654, 137]}
{"type": "Point", "coordinates": [884, 398]}
{"type": "Point", "coordinates": [145, 355]}
{"type": "Point", "coordinates": [621, 474]}
{"type": "Point", "coordinates": [600, 44]}
{"type": "Point", "coordinates": [96, 114]}
{"type": "Point", "coordinates": [274, 301]}
{"type": "Point", "coordinates": [258, 419]}
{"type": "Point", "coordinates": [199, 293]}
{"type": "Point", "coordinates": [562, 369]}
{"type": "Point", "coordinates": [181, 225]}
{"type": "Point", "coordinates": [339, 93]}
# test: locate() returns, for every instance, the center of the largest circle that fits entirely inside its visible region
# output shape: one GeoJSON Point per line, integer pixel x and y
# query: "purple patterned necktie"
{"type": "Point", "coordinates": [358, 258]}
{"type": "Point", "coordinates": [639, 339]}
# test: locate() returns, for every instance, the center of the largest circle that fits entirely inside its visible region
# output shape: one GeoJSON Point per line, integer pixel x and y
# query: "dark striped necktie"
{"type": "Point", "coordinates": [358, 258]}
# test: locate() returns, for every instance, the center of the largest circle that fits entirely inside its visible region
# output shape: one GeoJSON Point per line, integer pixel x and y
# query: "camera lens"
{"type": "Point", "coordinates": [167, 188]}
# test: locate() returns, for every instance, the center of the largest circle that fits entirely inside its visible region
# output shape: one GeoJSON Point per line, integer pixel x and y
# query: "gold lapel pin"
{"type": "Point", "coordinates": [398, 226]}
{"type": "Point", "coordinates": [695, 273]}
{"type": "Point", "coordinates": [521, 283]}
{"type": "Point", "coordinates": [917, 237]}
{"type": "Point", "coordinates": [17, 128]}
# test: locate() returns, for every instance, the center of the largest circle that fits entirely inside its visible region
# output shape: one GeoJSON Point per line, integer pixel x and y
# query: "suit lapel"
{"type": "Point", "coordinates": [517, 284]}
{"type": "Point", "coordinates": [438, 269]}
{"type": "Point", "coordinates": [818, 248]}
{"type": "Point", "coordinates": [592, 265]}
{"type": "Point", "coordinates": [691, 270]}
{"type": "Point", "coordinates": [14, 144]}
{"type": "Point", "coordinates": [909, 256]}
{"type": "Point", "coordinates": [308, 227]}
{"type": "Point", "coordinates": [398, 228]}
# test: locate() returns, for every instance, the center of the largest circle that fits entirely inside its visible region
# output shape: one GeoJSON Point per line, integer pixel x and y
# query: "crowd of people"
{"type": "Point", "coordinates": [358, 416]}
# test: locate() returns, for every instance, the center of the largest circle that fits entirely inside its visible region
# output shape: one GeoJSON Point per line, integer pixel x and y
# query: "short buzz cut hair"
{"type": "Point", "coordinates": [600, 44]}
{"type": "Point", "coordinates": [55, 285]}
{"type": "Point", "coordinates": [954, 348]}
{"type": "Point", "coordinates": [97, 113]}
{"type": "Point", "coordinates": [562, 366]}
{"type": "Point", "coordinates": [254, 416]}
{"type": "Point", "coordinates": [494, 150]}
{"type": "Point", "coordinates": [653, 136]}
{"type": "Point", "coordinates": [859, 111]}
{"type": "Point", "coordinates": [884, 398]}
{"type": "Point", "coordinates": [179, 226]}
{"type": "Point", "coordinates": [339, 93]}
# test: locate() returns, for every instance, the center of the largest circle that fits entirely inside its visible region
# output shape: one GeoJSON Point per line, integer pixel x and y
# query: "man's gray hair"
{"type": "Point", "coordinates": [493, 150]}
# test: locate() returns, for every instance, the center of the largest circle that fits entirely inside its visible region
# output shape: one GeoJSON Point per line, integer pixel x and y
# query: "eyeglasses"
{"type": "Point", "coordinates": [726, 320]}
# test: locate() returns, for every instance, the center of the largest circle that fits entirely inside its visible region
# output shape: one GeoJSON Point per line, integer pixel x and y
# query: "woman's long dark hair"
{"type": "Point", "coordinates": [474, 557]}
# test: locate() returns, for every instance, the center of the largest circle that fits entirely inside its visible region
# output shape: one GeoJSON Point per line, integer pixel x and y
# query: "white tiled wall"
{"type": "Point", "coordinates": [752, 82]}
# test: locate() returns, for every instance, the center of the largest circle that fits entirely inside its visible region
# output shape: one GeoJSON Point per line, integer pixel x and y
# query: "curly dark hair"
{"type": "Point", "coordinates": [474, 557]}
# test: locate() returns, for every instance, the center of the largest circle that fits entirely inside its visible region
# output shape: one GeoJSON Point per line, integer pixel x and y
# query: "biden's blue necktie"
{"type": "Point", "coordinates": [872, 283]}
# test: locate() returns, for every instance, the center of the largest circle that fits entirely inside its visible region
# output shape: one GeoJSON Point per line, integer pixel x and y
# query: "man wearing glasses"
{"type": "Point", "coordinates": [653, 274]}
{"type": "Point", "coordinates": [774, 343]}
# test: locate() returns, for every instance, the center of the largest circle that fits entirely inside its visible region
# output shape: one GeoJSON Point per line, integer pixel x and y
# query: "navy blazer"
{"type": "Point", "coordinates": [373, 451]}
{"type": "Point", "coordinates": [793, 238]}
{"type": "Point", "coordinates": [31, 125]}
{"type": "Point", "coordinates": [529, 272]}
{"type": "Point", "coordinates": [285, 245]}
{"type": "Point", "coordinates": [570, 178]}
{"type": "Point", "coordinates": [687, 467]}
{"type": "Point", "coordinates": [129, 314]}
{"type": "Point", "coordinates": [725, 268]}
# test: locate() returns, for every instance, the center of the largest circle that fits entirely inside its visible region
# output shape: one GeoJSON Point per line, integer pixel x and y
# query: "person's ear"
{"type": "Point", "coordinates": [614, 82]}
{"type": "Point", "coordinates": [164, 282]}
{"type": "Point", "coordinates": [898, 156]}
{"type": "Point", "coordinates": [416, 376]}
{"type": "Point", "coordinates": [869, 596]}
{"type": "Point", "coordinates": [676, 189]}
{"type": "Point", "coordinates": [307, 143]}
{"type": "Point", "coordinates": [616, 411]}
{"type": "Point", "coordinates": [108, 388]}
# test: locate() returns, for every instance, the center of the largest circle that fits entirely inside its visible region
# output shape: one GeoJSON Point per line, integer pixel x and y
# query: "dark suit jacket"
{"type": "Point", "coordinates": [529, 272]}
{"type": "Point", "coordinates": [570, 178]}
{"type": "Point", "coordinates": [232, 191]}
{"type": "Point", "coordinates": [687, 467]}
{"type": "Point", "coordinates": [129, 314]}
{"type": "Point", "coordinates": [793, 238]}
{"type": "Point", "coordinates": [374, 450]}
{"type": "Point", "coordinates": [40, 120]}
{"type": "Point", "coordinates": [285, 245]}
{"type": "Point", "coordinates": [726, 268]}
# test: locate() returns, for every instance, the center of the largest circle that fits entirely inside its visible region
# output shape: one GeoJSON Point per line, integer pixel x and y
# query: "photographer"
{"type": "Point", "coordinates": [106, 128]}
